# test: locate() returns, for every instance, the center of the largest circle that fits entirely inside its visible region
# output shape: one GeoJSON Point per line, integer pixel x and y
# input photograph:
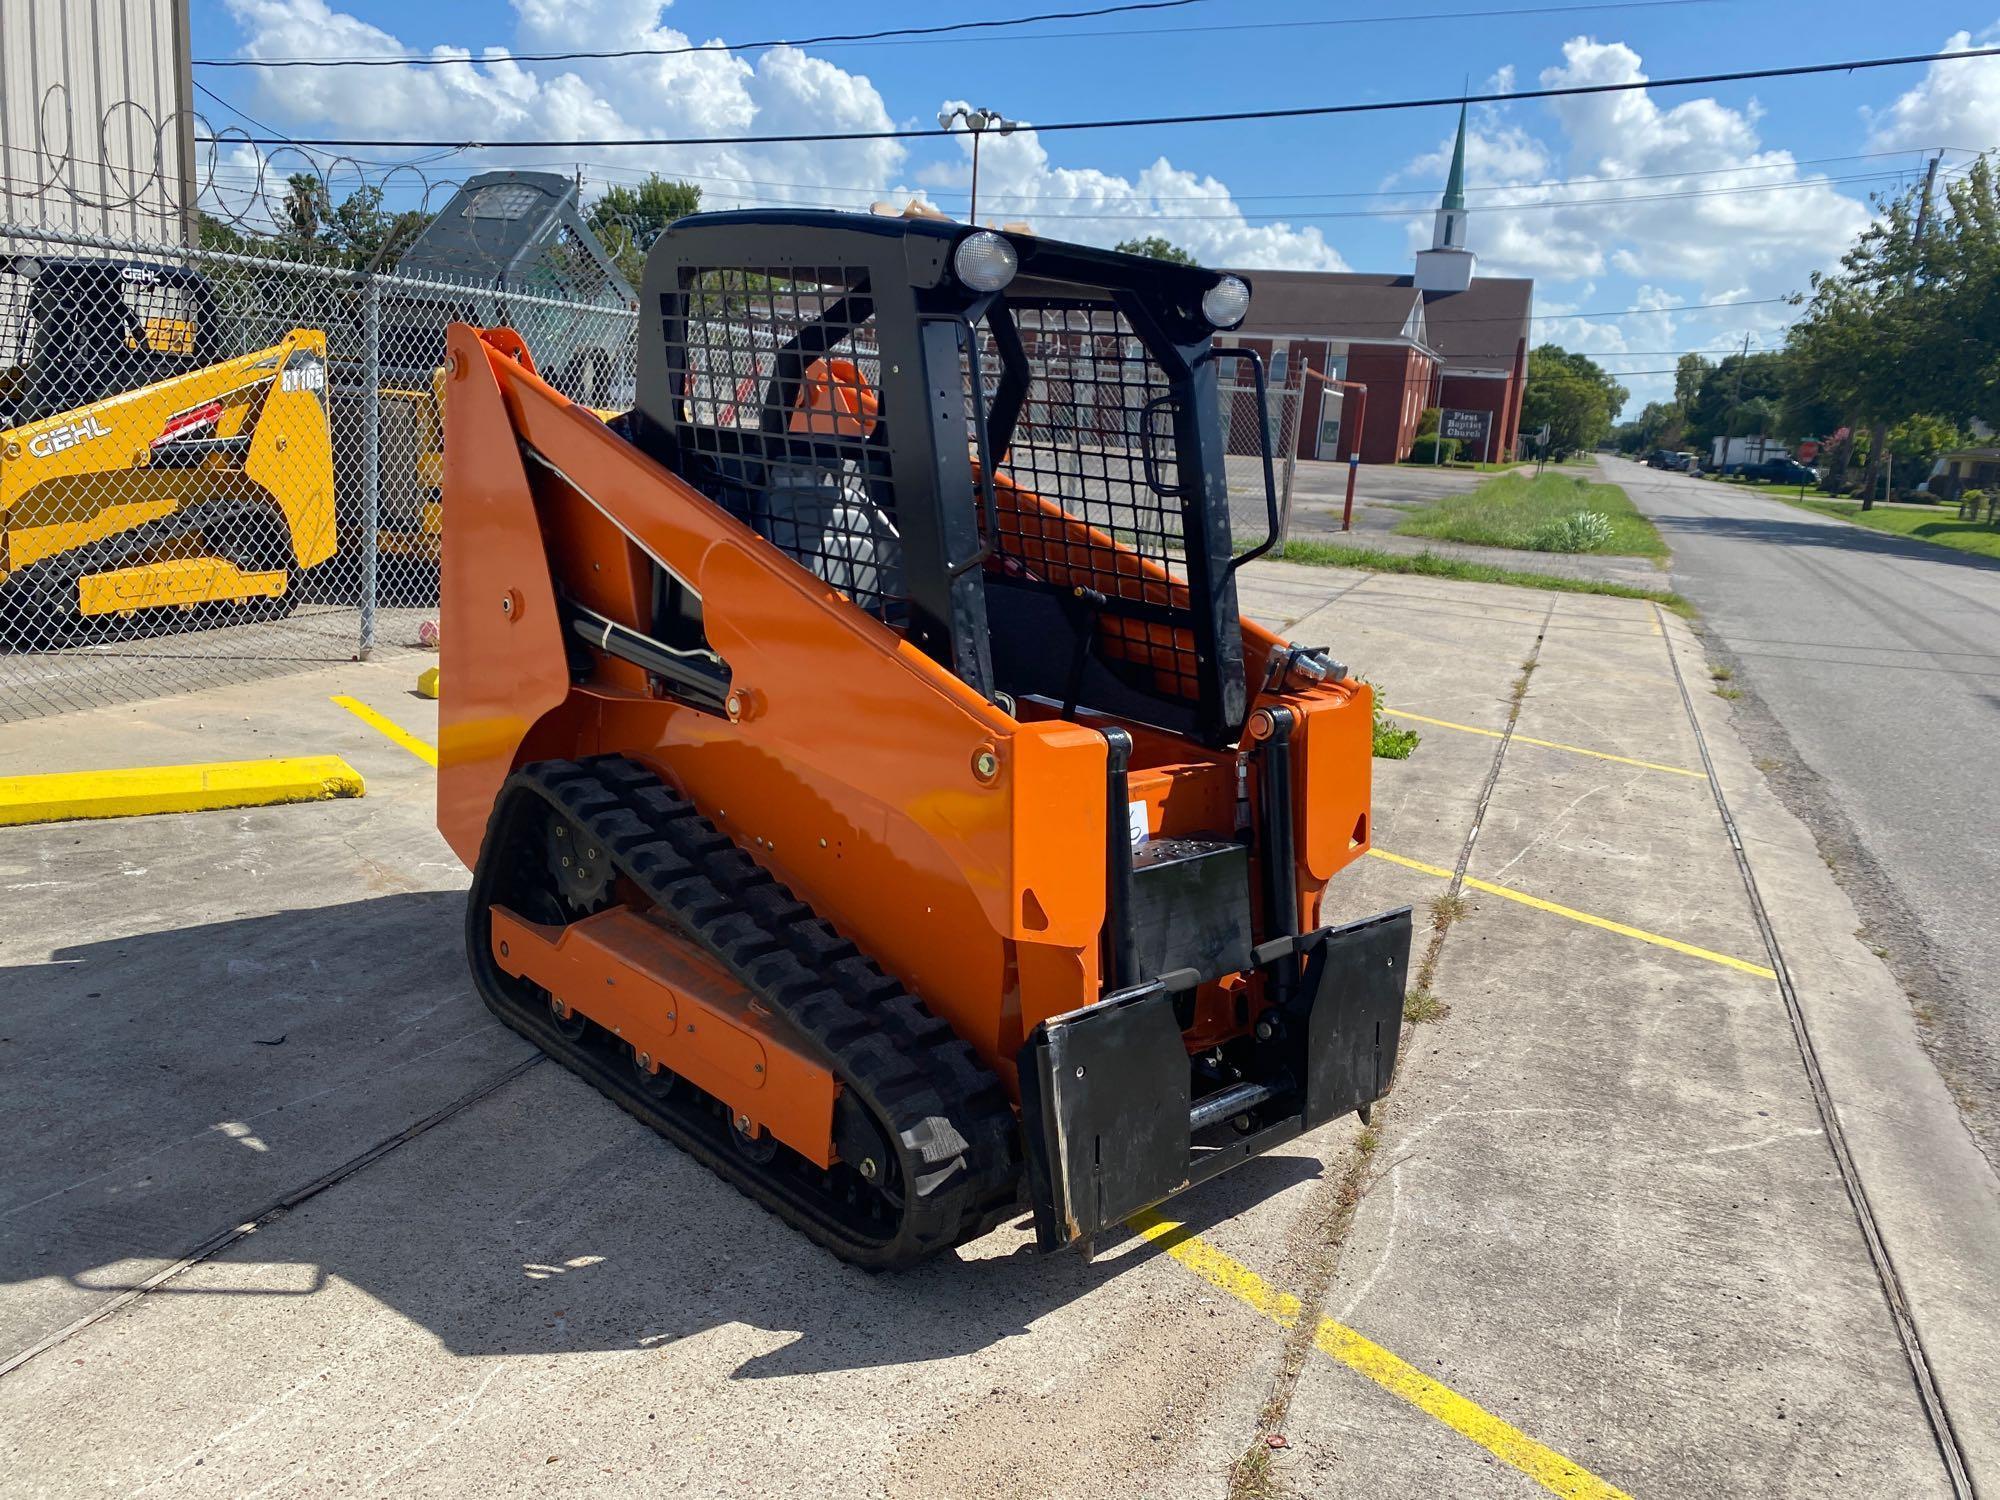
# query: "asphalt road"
{"type": "Point", "coordinates": [1870, 666]}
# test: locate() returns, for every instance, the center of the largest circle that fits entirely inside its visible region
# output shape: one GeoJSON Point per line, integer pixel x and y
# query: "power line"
{"type": "Point", "coordinates": [243, 114]}
{"type": "Point", "coordinates": [1026, 200]}
{"type": "Point", "coordinates": [1625, 312]}
{"type": "Point", "coordinates": [1319, 325]}
{"type": "Point", "coordinates": [1496, 187]}
{"type": "Point", "coordinates": [831, 39]}
{"type": "Point", "coordinates": [1655, 353]}
{"type": "Point", "coordinates": [1398, 19]}
{"type": "Point", "coordinates": [1312, 111]}
{"type": "Point", "coordinates": [1140, 209]}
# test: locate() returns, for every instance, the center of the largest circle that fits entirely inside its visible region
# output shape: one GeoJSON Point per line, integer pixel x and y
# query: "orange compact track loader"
{"type": "Point", "coordinates": [867, 778]}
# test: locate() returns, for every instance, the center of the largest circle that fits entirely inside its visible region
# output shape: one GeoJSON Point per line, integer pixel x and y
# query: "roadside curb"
{"type": "Point", "coordinates": [1925, 1188]}
{"type": "Point", "coordinates": [197, 787]}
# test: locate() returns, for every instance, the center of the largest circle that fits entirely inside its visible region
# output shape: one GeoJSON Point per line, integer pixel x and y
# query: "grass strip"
{"type": "Point", "coordinates": [1941, 528]}
{"type": "Point", "coordinates": [1529, 513]}
{"type": "Point", "coordinates": [1429, 565]}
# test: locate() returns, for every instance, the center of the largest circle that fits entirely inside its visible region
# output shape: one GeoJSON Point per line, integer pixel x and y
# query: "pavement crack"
{"type": "Point", "coordinates": [270, 1214]}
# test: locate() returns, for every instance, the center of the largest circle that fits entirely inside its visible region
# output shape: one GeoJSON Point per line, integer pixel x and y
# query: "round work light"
{"type": "Point", "coordinates": [985, 261]}
{"type": "Point", "coordinates": [1227, 303]}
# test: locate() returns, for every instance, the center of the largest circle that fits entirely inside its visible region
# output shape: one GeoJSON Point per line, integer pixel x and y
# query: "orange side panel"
{"type": "Point", "coordinates": [681, 1013]}
{"type": "Point", "coordinates": [1332, 765]}
{"type": "Point", "coordinates": [855, 768]}
{"type": "Point", "coordinates": [501, 643]}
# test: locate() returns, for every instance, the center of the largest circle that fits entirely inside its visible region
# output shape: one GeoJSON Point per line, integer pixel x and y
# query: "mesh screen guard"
{"type": "Point", "coordinates": [1089, 493]}
{"type": "Point", "coordinates": [783, 420]}
{"type": "Point", "coordinates": [1023, 482]}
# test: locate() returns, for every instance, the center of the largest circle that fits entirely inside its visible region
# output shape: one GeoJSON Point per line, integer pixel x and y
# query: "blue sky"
{"type": "Point", "coordinates": [1650, 232]}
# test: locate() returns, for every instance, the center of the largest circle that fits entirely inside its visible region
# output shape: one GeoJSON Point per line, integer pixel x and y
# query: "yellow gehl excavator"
{"type": "Point", "coordinates": [141, 467]}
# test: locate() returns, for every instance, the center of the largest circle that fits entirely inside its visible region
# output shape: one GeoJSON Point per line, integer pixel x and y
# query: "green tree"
{"type": "Point", "coordinates": [1738, 397]}
{"type": "Point", "coordinates": [366, 236]}
{"type": "Point", "coordinates": [1157, 246]}
{"type": "Point", "coordinates": [1662, 424]}
{"type": "Point", "coordinates": [1908, 327]}
{"type": "Point", "coordinates": [306, 209]}
{"type": "Point", "coordinates": [1690, 370]}
{"type": "Point", "coordinates": [219, 234]}
{"type": "Point", "coordinates": [626, 220]}
{"type": "Point", "coordinates": [1915, 443]}
{"type": "Point", "coordinates": [1572, 395]}
{"type": "Point", "coordinates": [1961, 295]}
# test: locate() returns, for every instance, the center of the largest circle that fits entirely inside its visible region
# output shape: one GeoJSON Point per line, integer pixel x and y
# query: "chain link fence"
{"type": "Point", "coordinates": [1244, 436]}
{"type": "Point", "coordinates": [215, 466]}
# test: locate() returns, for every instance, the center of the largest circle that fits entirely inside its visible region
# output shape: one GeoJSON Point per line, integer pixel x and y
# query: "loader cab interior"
{"type": "Point", "coordinates": [74, 331]}
{"type": "Point", "coordinates": [1007, 449]}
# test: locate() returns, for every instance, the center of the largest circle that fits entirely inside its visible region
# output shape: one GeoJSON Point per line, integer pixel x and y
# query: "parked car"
{"type": "Point", "coordinates": [1778, 471]}
{"type": "Point", "coordinates": [1660, 458]}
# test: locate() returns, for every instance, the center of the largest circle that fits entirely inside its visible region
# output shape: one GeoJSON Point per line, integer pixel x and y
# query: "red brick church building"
{"type": "Point", "coordinates": [1442, 336]}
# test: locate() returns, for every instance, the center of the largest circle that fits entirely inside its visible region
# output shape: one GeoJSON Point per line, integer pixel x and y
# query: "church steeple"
{"type": "Point", "coordinates": [1454, 185]}
{"type": "Point", "coordinates": [1447, 265]}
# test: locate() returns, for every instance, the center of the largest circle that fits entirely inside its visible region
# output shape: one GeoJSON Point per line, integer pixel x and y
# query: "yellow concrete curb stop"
{"type": "Point", "coordinates": [201, 787]}
{"type": "Point", "coordinates": [427, 683]}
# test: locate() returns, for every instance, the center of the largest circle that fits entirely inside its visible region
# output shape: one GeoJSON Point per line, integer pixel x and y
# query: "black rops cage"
{"type": "Point", "coordinates": [79, 330]}
{"type": "Point", "coordinates": [1026, 476]}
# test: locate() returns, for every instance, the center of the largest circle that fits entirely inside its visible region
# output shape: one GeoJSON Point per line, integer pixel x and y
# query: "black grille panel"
{"type": "Point", "coordinates": [1093, 449]}
{"type": "Point", "coordinates": [782, 419]}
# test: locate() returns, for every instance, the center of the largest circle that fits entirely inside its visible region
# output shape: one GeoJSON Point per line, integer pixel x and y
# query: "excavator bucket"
{"type": "Point", "coordinates": [868, 778]}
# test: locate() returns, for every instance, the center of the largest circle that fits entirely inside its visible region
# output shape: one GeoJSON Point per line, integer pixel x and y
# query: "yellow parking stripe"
{"type": "Point", "coordinates": [1760, 970]}
{"type": "Point", "coordinates": [205, 786]}
{"type": "Point", "coordinates": [388, 730]}
{"type": "Point", "coordinates": [1506, 1442]}
{"type": "Point", "coordinates": [1522, 739]}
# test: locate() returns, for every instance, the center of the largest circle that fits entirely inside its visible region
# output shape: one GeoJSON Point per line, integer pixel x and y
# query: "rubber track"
{"type": "Point", "coordinates": [44, 594]}
{"type": "Point", "coordinates": [915, 1075]}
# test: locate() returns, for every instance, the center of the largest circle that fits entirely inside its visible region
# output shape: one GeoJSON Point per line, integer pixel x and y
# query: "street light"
{"type": "Point", "coordinates": [978, 121]}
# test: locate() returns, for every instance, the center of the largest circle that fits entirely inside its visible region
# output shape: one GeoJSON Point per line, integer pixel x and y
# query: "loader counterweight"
{"type": "Point", "coordinates": [899, 616]}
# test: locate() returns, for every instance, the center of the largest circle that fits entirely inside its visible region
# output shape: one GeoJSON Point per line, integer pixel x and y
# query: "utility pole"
{"type": "Point", "coordinates": [1735, 401]}
{"type": "Point", "coordinates": [1924, 214]}
{"type": "Point", "coordinates": [1878, 432]}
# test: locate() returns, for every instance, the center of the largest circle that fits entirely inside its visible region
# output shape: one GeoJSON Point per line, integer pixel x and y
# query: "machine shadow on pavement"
{"type": "Point", "coordinates": [538, 1219]}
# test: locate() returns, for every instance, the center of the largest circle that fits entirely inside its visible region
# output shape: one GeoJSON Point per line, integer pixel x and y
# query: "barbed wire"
{"type": "Point", "coordinates": [217, 188]}
{"type": "Point", "coordinates": [132, 160]}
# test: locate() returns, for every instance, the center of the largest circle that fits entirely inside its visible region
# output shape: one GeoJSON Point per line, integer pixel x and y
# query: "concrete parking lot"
{"type": "Point", "coordinates": [1667, 1199]}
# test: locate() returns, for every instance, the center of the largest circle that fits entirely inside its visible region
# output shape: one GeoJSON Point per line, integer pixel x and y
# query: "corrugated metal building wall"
{"type": "Point", "coordinates": [96, 129]}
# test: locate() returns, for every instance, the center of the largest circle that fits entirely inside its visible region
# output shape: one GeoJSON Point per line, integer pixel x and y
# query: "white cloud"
{"type": "Point", "coordinates": [497, 100]}
{"type": "Point", "coordinates": [1652, 162]}
{"type": "Point", "coordinates": [1665, 226]}
{"type": "Point", "coordinates": [782, 91]}
{"type": "Point", "coordinates": [1018, 181]}
{"type": "Point", "coordinates": [1953, 104]}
